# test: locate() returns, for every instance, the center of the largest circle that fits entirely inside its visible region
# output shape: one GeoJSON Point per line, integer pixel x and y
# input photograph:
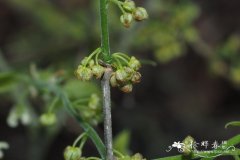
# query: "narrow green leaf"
{"type": "Point", "coordinates": [121, 142]}
{"type": "Point", "coordinates": [233, 123]}
{"type": "Point", "coordinates": [7, 81]}
{"type": "Point", "coordinates": [148, 62]}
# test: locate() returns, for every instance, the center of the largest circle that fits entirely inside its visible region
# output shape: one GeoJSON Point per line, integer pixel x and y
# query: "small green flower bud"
{"type": "Point", "coordinates": [137, 156]}
{"type": "Point", "coordinates": [129, 71]}
{"type": "Point", "coordinates": [126, 19]}
{"type": "Point", "coordinates": [88, 114]}
{"type": "Point", "coordinates": [94, 101]}
{"type": "Point", "coordinates": [91, 63]}
{"type": "Point", "coordinates": [136, 77]}
{"type": "Point", "coordinates": [98, 71]}
{"type": "Point", "coordinates": [140, 14]}
{"type": "Point", "coordinates": [113, 80]}
{"type": "Point", "coordinates": [121, 75]}
{"type": "Point", "coordinates": [134, 64]}
{"type": "Point", "coordinates": [48, 119]}
{"type": "Point", "coordinates": [129, 5]}
{"type": "Point", "coordinates": [127, 88]}
{"type": "Point", "coordinates": [84, 61]}
{"type": "Point", "coordinates": [84, 73]}
{"type": "Point", "coordinates": [72, 153]}
{"type": "Point", "coordinates": [188, 145]}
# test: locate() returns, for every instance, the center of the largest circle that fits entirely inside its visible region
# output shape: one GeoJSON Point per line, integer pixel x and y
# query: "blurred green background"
{"type": "Point", "coordinates": [194, 89]}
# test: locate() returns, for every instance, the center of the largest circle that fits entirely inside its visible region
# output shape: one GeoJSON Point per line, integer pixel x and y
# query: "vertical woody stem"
{"type": "Point", "coordinates": [107, 113]}
{"type": "Point", "coordinates": [105, 81]}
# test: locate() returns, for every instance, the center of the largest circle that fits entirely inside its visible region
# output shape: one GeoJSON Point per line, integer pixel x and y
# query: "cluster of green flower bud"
{"type": "Point", "coordinates": [90, 68]}
{"type": "Point", "coordinates": [131, 13]}
{"type": "Point", "coordinates": [90, 110]}
{"type": "Point", "coordinates": [125, 76]}
{"type": "Point", "coordinates": [125, 72]}
{"type": "Point", "coordinates": [136, 156]}
{"type": "Point", "coordinates": [86, 70]}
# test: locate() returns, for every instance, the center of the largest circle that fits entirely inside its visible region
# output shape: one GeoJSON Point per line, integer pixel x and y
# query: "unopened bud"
{"type": "Point", "coordinates": [188, 145]}
{"type": "Point", "coordinates": [48, 119]}
{"type": "Point", "coordinates": [84, 73]}
{"type": "Point", "coordinates": [136, 77]}
{"type": "Point", "coordinates": [113, 80]}
{"type": "Point", "coordinates": [129, 71]}
{"type": "Point", "coordinates": [129, 5]}
{"type": "Point", "coordinates": [134, 63]}
{"type": "Point", "coordinates": [91, 63]}
{"type": "Point", "coordinates": [84, 61]}
{"type": "Point", "coordinates": [137, 156]}
{"type": "Point", "coordinates": [98, 71]}
{"type": "Point", "coordinates": [126, 19]}
{"type": "Point", "coordinates": [140, 14]}
{"type": "Point", "coordinates": [127, 88]}
{"type": "Point", "coordinates": [121, 75]}
{"type": "Point", "coordinates": [94, 101]}
{"type": "Point", "coordinates": [72, 153]}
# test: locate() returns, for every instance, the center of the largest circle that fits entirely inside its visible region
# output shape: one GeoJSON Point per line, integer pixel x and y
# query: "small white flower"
{"type": "Point", "coordinates": [26, 117]}
{"type": "Point", "coordinates": [12, 119]}
{"type": "Point", "coordinates": [178, 145]}
{"type": "Point", "coordinates": [3, 145]}
{"type": "Point", "coordinates": [18, 114]}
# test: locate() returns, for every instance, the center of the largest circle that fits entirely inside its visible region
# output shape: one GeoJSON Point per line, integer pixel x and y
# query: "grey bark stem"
{"type": "Point", "coordinates": [107, 113]}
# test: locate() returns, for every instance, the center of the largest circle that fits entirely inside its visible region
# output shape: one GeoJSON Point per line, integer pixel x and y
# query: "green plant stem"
{"type": "Point", "coordinates": [104, 31]}
{"type": "Point", "coordinates": [53, 104]}
{"type": "Point", "coordinates": [107, 113]}
{"type": "Point", "coordinates": [78, 139]}
{"type": "Point", "coordinates": [122, 58]}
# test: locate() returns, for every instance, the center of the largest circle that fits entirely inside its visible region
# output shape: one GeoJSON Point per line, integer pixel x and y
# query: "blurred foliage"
{"type": "Point", "coordinates": [122, 141]}
{"type": "Point", "coordinates": [168, 34]}
{"type": "Point", "coordinates": [84, 96]}
{"type": "Point", "coordinates": [170, 29]}
{"type": "Point", "coordinates": [226, 61]}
